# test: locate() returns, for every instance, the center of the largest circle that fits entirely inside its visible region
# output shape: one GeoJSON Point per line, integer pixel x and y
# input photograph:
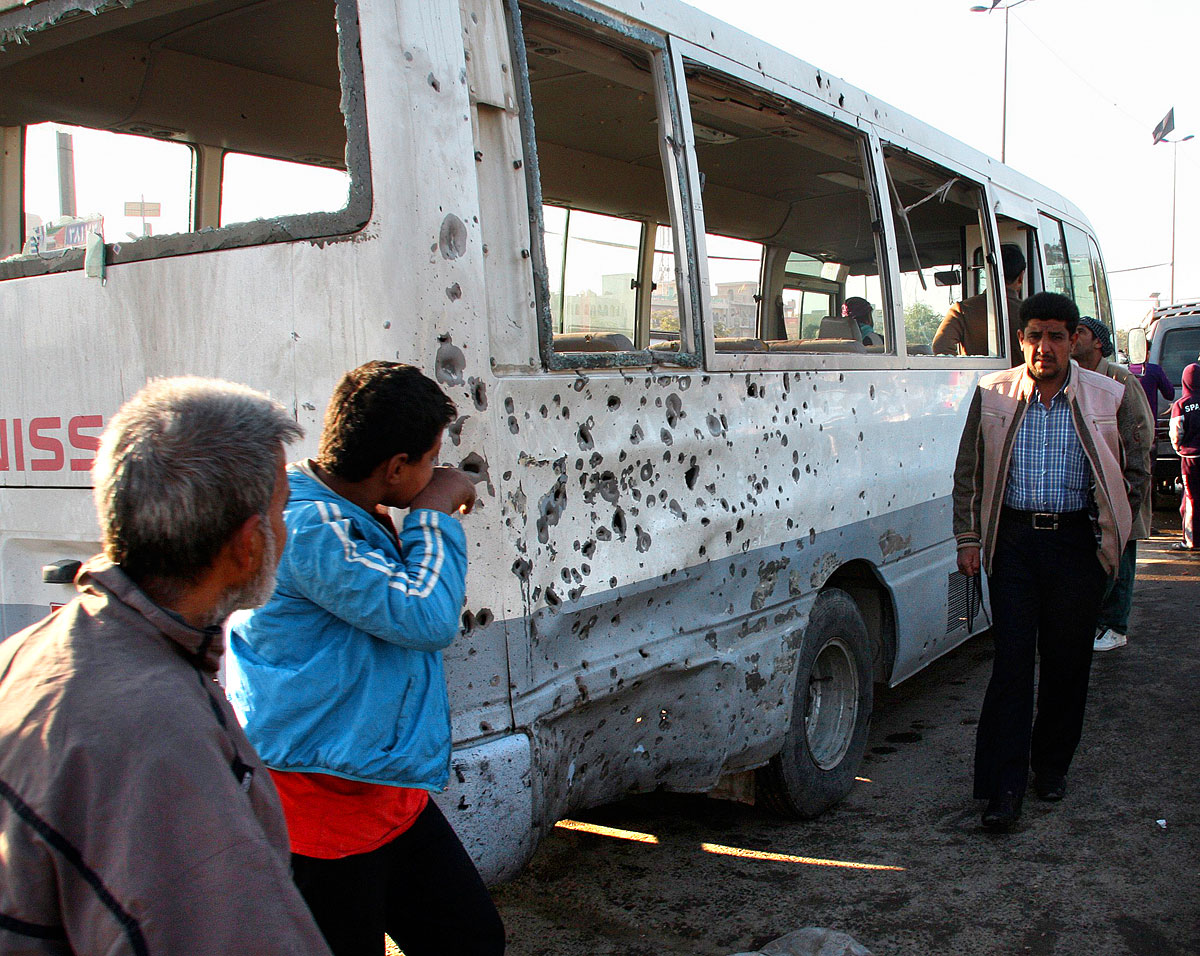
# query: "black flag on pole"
{"type": "Point", "coordinates": [1165, 126]}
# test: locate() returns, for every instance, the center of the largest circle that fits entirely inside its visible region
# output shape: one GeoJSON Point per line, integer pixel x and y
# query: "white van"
{"type": "Point", "coordinates": [714, 510]}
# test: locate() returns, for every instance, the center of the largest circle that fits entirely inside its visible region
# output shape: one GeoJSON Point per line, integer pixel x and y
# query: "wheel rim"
{"type": "Point", "coordinates": [832, 711]}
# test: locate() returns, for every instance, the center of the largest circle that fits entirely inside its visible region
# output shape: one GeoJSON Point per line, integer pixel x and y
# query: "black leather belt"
{"type": "Point", "coordinates": [1048, 520]}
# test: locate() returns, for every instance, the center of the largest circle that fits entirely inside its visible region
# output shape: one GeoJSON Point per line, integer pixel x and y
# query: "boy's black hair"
{"type": "Point", "coordinates": [1012, 260]}
{"type": "Point", "coordinates": [1050, 306]}
{"type": "Point", "coordinates": [378, 410]}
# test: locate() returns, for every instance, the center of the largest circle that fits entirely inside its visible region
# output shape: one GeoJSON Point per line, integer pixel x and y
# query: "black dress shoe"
{"type": "Point", "coordinates": [1002, 812]}
{"type": "Point", "coordinates": [1050, 786]}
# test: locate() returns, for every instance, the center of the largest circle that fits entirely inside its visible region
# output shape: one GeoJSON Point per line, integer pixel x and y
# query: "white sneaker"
{"type": "Point", "coordinates": [1110, 640]}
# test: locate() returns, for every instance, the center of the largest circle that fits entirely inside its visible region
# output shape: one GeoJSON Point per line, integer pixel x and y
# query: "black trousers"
{"type": "Point", "coordinates": [422, 889]}
{"type": "Point", "coordinates": [1046, 588]}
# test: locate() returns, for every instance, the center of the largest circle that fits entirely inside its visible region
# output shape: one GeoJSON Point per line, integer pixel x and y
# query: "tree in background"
{"type": "Point", "coordinates": [920, 323]}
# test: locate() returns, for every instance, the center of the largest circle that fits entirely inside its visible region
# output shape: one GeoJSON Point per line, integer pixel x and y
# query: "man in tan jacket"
{"type": "Point", "coordinates": [135, 818]}
{"type": "Point", "coordinates": [1044, 494]}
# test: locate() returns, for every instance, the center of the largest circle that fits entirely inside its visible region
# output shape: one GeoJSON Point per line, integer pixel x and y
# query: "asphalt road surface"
{"type": "Point", "coordinates": [1110, 871]}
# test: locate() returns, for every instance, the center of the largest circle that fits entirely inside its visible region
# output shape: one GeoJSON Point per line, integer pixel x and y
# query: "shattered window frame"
{"type": "Point", "coordinates": [675, 186]}
{"type": "Point", "coordinates": [18, 22]}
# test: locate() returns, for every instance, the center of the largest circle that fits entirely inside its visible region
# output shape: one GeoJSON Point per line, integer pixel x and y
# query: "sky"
{"type": "Point", "coordinates": [1088, 80]}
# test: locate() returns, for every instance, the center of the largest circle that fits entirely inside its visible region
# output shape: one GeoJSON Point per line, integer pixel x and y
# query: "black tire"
{"type": "Point", "coordinates": [831, 713]}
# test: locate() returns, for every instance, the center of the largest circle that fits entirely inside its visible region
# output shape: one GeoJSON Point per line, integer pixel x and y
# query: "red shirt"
{"type": "Point", "coordinates": [330, 817]}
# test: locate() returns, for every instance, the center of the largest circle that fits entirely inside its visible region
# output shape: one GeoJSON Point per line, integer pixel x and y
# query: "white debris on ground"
{"type": "Point", "coordinates": [812, 941]}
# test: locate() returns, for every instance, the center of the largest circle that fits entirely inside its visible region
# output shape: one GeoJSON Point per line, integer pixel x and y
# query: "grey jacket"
{"type": "Point", "coordinates": [135, 818]}
{"type": "Point", "coordinates": [1140, 440]}
{"type": "Point", "coordinates": [1105, 421]}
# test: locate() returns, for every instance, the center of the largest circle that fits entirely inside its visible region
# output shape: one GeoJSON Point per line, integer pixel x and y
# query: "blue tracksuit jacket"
{"type": "Point", "coordinates": [341, 671]}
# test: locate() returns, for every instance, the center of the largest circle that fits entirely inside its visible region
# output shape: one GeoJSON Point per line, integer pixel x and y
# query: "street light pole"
{"type": "Point", "coordinates": [1004, 94]}
{"type": "Point", "coordinates": [1174, 186]}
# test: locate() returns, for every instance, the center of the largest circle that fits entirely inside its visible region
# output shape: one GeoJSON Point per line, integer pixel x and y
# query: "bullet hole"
{"type": "Point", "coordinates": [674, 409]}
{"type": "Point", "coordinates": [468, 621]}
{"type": "Point", "coordinates": [752, 390]}
{"type": "Point", "coordinates": [522, 568]}
{"type": "Point", "coordinates": [714, 425]}
{"type": "Point", "coordinates": [860, 436]}
{"type": "Point", "coordinates": [552, 598]}
{"type": "Point", "coordinates": [479, 393]}
{"type": "Point", "coordinates": [812, 535]}
{"type": "Point", "coordinates": [545, 412]}
{"type": "Point", "coordinates": [677, 510]}
{"type": "Point", "coordinates": [646, 472]}
{"type": "Point", "coordinates": [589, 548]}
{"type": "Point", "coordinates": [608, 487]}
{"type": "Point", "coordinates": [872, 391]}
{"type": "Point", "coordinates": [618, 524]}
{"type": "Point", "coordinates": [433, 81]}
{"type": "Point", "coordinates": [551, 507]}
{"type": "Point", "coordinates": [454, 429]}
{"type": "Point", "coordinates": [636, 436]}
{"type": "Point", "coordinates": [450, 362]}
{"type": "Point", "coordinates": [584, 436]}
{"type": "Point", "coordinates": [513, 425]}
{"type": "Point", "coordinates": [452, 237]}
{"type": "Point", "coordinates": [613, 403]}
{"type": "Point", "coordinates": [603, 534]}
{"type": "Point", "coordinates": [665, 437]}
{"type": "Point", "coordinates": [476, 468]}
{"type": "Point", "coordinates": [643, 539]}
{"type": "Point", "coordinates": [690, 476]}
{"type": "Point", "coordinates": [454, 292]}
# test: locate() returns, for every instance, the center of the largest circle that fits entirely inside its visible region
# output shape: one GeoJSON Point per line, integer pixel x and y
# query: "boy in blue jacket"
{"type": "Point", "coordinates": [338, 679]}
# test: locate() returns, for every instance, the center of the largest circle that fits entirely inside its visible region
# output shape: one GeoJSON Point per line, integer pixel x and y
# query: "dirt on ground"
{"type": "Point", "coordinates": [1109, 871]}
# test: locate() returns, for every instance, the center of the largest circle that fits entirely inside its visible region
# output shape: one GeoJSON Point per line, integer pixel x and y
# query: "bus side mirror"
{"type": "Point", "coordinates": [1137, 346]}
{"type": "Point", "coordinates": [950, 277]}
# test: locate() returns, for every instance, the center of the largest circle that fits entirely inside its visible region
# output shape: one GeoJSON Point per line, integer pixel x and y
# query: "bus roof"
{"type": "Point", "coordinates": [753, 53]}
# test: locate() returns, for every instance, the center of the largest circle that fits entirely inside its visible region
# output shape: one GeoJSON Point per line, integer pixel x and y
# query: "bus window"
{"type": "Point", "coordinates": [253, 187]}
{"type": "Point", "coordinates": [135, 150]}
{"type": "Point", "coordinates": [1079, 262]}
{"type": "Point", "coordinates": [939, 216]}
{"type": "Point", "coordinates": [124, 187]}
{"type": "Point", "coordinates": [610, 281]}
{"type": "Point", "coordinates": [789, 215]}
{"type": "Point", "coordinates": [1054, 247]}
{"type": "Point", "coordinates": [1103, 303]}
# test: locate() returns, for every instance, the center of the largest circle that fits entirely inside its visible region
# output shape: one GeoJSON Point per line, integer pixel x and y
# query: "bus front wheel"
{"type": "Point", "coordinates": [830, 716]}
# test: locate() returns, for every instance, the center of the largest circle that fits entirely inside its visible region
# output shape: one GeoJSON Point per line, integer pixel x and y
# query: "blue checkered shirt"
{"type": "Point", "coordinates": [1048, 470]}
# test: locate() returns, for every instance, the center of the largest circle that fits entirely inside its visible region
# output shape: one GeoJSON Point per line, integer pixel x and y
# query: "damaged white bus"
{"type": "Point", "coordinates": [713, 512]}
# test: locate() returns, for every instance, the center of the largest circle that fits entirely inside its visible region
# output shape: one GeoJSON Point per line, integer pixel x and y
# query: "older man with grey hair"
{"type": "Point", "coordinates": [135, 818]}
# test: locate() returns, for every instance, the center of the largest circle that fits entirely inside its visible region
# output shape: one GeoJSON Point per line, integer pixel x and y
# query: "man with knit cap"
{"type": "Point", "coordinates": [1092, 349]}
{"type": "Point", "coordinates": [1185, 439]}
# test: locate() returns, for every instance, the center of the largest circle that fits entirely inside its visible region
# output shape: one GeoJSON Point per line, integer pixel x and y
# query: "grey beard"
{"type": "Point", "coordinates": [258, 590]}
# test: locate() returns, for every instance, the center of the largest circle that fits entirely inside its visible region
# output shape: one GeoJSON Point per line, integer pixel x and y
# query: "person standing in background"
{"type": "Point", "coordinates": [1093, 346]}
{"type": "Point", "coordinates": [1185, 439]}
{"type": "Point", "coordinates": [1154, 381]}
{"type": "Point", "coordinates": [964, 330]}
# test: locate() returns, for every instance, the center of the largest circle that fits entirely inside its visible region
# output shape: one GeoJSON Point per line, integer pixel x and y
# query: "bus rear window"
{"type": "Point", "coordinates": [180, 117]}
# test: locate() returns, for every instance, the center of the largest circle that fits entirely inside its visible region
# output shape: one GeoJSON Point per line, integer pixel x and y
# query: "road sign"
{"type": "Point", "coordinates": [143, 210]}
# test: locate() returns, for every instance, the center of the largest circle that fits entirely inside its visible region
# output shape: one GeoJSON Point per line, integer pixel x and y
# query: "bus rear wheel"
{"type": "Point", "coordinates": [831, 713]}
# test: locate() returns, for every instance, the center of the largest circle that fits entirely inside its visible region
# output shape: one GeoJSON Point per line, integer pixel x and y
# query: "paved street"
{"type": "Point", "coordinates": [1097, 875]}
